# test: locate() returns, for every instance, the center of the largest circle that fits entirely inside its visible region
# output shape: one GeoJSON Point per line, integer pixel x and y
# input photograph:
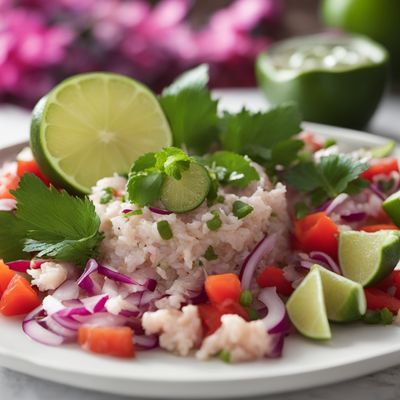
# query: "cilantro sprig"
{"type": "Point", "coordinates": [50, 223]}
{"type": "Point", "coordinates": [148, 173]}
{"type": "Point", "coordinates": [267, 137]}
{"type": "Point", "coordinates": [334, 174]}
{"type": "Point", "coordinates": [191, 111]}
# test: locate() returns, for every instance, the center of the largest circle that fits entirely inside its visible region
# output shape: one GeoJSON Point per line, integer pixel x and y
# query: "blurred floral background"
{"type": "Point", "coordinates": [43, 41]}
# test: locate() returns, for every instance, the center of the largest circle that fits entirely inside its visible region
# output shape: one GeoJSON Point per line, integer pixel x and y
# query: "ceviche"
{"type": "Point", "coordinates": [137, 221]}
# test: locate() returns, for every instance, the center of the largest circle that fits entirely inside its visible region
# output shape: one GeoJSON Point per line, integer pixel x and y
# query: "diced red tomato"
{"type": "Point", "coordinates": [378, 299]}
{"type": "Point", "coordinates": [383, 166]}
{"type": "Point", "coordinates": [6, 274]}
{"type": "Point", "coordinates": [113, 341]}
{"type": "Point", "coordinates": [378, 227]}
{"type": "Point", "coordinates": [8, 181]}
{"type": "Point", "coordinates": [310, 141]}
{"type": "Point", "coordinates": [273, 277]}
{"type": "Point", "coordinates": [316, 232]}
{"type": "Point", "coordinates": [32, 167]}
{"type": "Point", "coordinates": [210, 314]}
{"type": "Point", "coordinates": [19, 297]}
{"type": "Point", "coordinates": [222, 287]}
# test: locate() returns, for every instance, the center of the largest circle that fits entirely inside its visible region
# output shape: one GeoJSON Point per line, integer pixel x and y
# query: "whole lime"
{"type": "Point", "coordinates": [378, 19]}
{"type": "Point", "coordinates": [334, 79]}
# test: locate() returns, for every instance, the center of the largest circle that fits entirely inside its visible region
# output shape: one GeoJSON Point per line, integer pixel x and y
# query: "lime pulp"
{"type": "Point", "coordinates": [94, 125]}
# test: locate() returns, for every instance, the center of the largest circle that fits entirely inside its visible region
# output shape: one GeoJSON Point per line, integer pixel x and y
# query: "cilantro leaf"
{"type": "Point", "coordinates": [12, 235]}
{"type": "Point", "coordinates": [172, 161]}
{"type": "Point", "coordinates": [334, 174]}
{"type": "Point", "coordinates": [258, 134]}
{"type": "Point", "coordinates": [191, 111]}
{"type": "Point", "coordinates": [54, 223]}
{"type": "Point", "coordinates": [144, 188]}
{"type": "Point", "coordinates": [232, 169]}
{"type": "Point", "coordinates": [145, 161]}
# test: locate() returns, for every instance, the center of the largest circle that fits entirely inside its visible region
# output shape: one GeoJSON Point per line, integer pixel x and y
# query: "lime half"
{"type": "Point", "coordinates": [306, 308]}
{"type": "Point", "coordinates": [344, 299]}
{"type": "Point", "coordinates": [334, 79]}
{"type": "Point", "coordinates": [93, 125]}
{"type": "Point", "coordinates": [367, 258]}
{"type": "Point", "coordinates": [188, 192]}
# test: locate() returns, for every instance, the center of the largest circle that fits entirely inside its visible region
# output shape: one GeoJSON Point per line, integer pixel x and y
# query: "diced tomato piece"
{"type": "Point", "coordinates": [381, 167]}
{"type": "Point", "coordinates": [113, 341]}
{"type": "Point", "coordinates": [378, 299]}
{"type": "Point", "coordinates": [310, 141]}
{"type": "Point", "coordinates": [8, 181]}
{"type": "Point", "coordinates": [6, 274]}
{"type": "Point", "coordinates": [317, 232]}
{"type": "Point", "coordinates": [19, 297]}
{"type": "Point", "coordinates": [222, 287]}
{"type": "Point", "coordinates": [210, 314]}
{"type": "Point", "coordinates": [273, 277]}
{"type": "Point", "coordinates": [32, 167]}
{"type": "Point", "coordinates": [378, 227]}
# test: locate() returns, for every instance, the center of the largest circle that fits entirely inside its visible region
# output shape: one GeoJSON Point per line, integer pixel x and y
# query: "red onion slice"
{"type": "Point", "coordinates": [375, 190]}
{"type": "Point", "coordinates": [39, 333]}
{"type": "Point", "coordinates": [353, 216]}
{"type": "Point", "coordinates": [160, 211]}
{"type": "Point", "coordinates": [58, 329]}
{"type": "Point", "coordinates": [8, 204]}
{"type": "Point", "coordinates": [251, 262]}
{"type": "Point", "coordinates": [95, 304]}
{"type": "Point", "coordinates": [66, 322]}
{"type": "Point", "coordinates": [67, 291]}
{"type": "Point", "coordinates": [19, 265]}
{"type": "Point", "coordinates": [277, 343]}
{"type": "Point", "coordinates": [52, 305]}
{"type": "Point", "coordinates": [101, 319]}
{"type": "Point", "coordinates": [85, 281]}
{"type": "Point", "coordinates": [276, 320]}
{"type": "Point", "coordinates": [146, 342]}
{"type": "Point", "coordinates": [336, 202]}
{"type": "Point", "coordinates": [149, 284]}
{"type": "Point", "coordinates": [321, 256]}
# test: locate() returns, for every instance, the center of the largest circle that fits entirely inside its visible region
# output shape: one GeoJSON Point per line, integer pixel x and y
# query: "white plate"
{"type": "Point", "coordinates": [354, 351]}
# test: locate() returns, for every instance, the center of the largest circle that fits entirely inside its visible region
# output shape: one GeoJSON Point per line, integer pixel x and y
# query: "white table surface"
{"type": "Point", "coordinates": [385, 385]}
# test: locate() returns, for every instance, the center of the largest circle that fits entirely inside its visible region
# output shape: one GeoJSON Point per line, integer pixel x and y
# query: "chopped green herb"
{"type": "Point", "coordinates": [191, 110]}
{"type": "Point", "coordinates": [107, 196]}
{"type": "Point", "coordinates": [133, 212]}
{"type": "Point", "coordinates": [328, 178]}
{"type": "Point", "coordinates": [241, 209]}
{"type": "Point", "coordinates": [50, 223]}
{"type": "Point", "coordinates": [232, 168]}
{"type": "Point", "coordinates": [164, 229]}
{"type": "Point", "coordinates": [172, 161]}
{"type": "Point", "coordinates": [144, 187]}
{"type": "Point", "coordinates": [266, 137]}
{"type": "Point", "coordinates": [378, 317]}
{"type": "Point", "coordinates": [225, 356]}
{"type": "Point", "coordinates": [329, 143]}
{"type": "Point", "coordinates": [246, 298]}
{"type": "Point", "coordinates": [214, 223]}
{"type": "Point", "coordinates": [252, 313]}
{"type": "Point", "coordinates": [210, 254]}
{"type": "Point", "coordinates": [301, 210]}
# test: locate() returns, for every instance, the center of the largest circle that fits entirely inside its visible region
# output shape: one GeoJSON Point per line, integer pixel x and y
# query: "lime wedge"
{"type": "Point", "coordinates": [93, 125]}
{"type": "Point", "coordinates": [188, 192]}
{"type": "Point", "coordinates": [367, 258]}
{"type": "Point", "coordinates": [392, 207]}
{"type": "Point", "coordinates": [344, 299]}
{"type": "Point", "coordinates": [306, 308]}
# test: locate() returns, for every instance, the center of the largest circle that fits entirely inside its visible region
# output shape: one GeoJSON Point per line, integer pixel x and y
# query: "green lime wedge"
{"type": "Point", "coordinates": [384, 150]}
{"type": "Point", "coordinates": [93, 125]}
{"type": "Point", "coordinates": [392, 207]}
{"type": "Point", "coordinates": [344, 299]}
{"type": "Point", "coordinates": [334, 79]}
{"type": "Point", "coordinates": [188, 192]}
{"type": "Point", "coordinates": [306, 308]}
{"type": "Point", "coordinates": [367, 258]}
